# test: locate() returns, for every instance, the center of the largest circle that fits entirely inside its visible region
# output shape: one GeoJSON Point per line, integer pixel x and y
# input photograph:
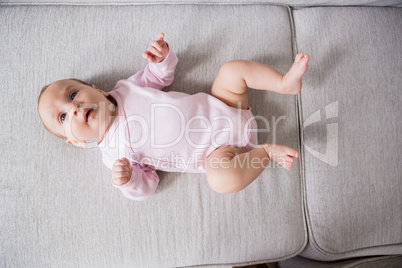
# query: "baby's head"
{"type": "Point", "coordinates": [75, 111]}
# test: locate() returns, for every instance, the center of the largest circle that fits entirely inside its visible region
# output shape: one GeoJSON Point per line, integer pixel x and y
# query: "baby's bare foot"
{"type": "Point", "coordinates": [281, 154]}
{"type": "Point", "coordinates": [293, 78]}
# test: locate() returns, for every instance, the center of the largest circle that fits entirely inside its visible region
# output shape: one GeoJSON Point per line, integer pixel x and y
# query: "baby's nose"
{"type": "Point", "coordinates": [75, 112]}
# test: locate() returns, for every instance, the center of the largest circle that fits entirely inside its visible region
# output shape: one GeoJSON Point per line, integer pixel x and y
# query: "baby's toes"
{"type": "Point", "coordinates": [284, 161]}
{"type": "Point", "coordinates": [299, 57]}
{"type": "Point", "coordinates": [304, 60]}
{"type": "Point", "coordinates": [291, 152]}
{"type": "Point", "coordinates": [289, 166]}
{"type": "Point", "coordinates": [289, 159]}
{"type": "Point", "coordinates": [286, 165]}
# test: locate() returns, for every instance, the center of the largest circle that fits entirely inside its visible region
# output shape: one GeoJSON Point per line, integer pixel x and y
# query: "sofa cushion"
{"type": "Point", "coordinates": [351, 112]}
{"type": "Point", "coordinates": [57, 205]}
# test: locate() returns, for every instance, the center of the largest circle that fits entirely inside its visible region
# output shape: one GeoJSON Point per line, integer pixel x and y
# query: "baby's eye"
{"type": "Point", "coordinates": [62, 117]}
{"type": "Point", "coordinates": [73, 95]}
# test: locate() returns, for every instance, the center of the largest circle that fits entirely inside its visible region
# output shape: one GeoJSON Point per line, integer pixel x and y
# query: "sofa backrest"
{"type": "Point", "coordinates": [293, 3]}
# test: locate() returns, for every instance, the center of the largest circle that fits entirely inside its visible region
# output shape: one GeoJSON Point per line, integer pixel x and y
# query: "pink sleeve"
{"type": "Point", "coordinates": [143, 183]}
{"type": "Point", "coordinates": [157, 75]}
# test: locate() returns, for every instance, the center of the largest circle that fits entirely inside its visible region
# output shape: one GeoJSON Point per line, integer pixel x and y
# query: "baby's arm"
{"type": "Point", "coordinates": [159, 73]}
{"type": "Point", "coordinates": [135, 181]}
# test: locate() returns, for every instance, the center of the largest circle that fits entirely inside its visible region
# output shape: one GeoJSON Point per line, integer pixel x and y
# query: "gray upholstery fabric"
{"type": "Point", "coordinates": [295, 3]}
{"type": "Point", "coordinates": [57, 205]}
{"type": "Point", "coordinates": [351, 113]}
{"type": "Point", "coordinates": [372, 262]}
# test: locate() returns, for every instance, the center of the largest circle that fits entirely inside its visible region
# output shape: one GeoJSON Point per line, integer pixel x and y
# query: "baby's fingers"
{"type": "Point", "coordinates": [120, 169]}
{"type": "Point", "coordinates": [126, 161]}
{"type": "Point", "coordinates": [156, 45]}
{"type": "Point", "coordinates": [151, 58]}
{"type": "Point", "coordinates": [161, 43]}
{"type": "Point", "coordinates": [161, 36]}
{"type": "Point", "coordinates": [154, 51]}
{"type": "Point", "coordinates": [121, 162]}
{"type": "Point", "coordinates": [120, 180]}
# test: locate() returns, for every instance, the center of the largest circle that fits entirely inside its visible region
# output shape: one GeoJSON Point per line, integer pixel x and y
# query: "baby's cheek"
{"type": "Point", "coordinates": [83, 132]}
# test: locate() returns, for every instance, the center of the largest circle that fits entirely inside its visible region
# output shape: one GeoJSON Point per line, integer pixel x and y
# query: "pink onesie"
{"type": "Point", "coordinates": [169, 131]}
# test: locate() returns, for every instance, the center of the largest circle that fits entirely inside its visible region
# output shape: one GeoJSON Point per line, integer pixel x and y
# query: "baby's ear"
{"type": "Point", "coordinates": [106, 94]}
{"type": "Point", "coordinates": [81, 144]}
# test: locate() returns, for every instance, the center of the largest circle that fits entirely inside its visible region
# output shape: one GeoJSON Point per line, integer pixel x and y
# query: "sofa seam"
{"type": "Point", "coordinates": [299, 113]}
{"type": "Point", "coordinates": [299, 110]}
{"type": "Point", "coordinates": [299, 131]}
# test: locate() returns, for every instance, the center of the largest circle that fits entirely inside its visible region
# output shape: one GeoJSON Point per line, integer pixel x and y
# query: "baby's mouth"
{"type": "Point", "coordinates": [88, 114]}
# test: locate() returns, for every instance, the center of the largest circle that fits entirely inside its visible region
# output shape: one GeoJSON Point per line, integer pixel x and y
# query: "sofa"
{"type": "Point", "coordinates": [341, 206]}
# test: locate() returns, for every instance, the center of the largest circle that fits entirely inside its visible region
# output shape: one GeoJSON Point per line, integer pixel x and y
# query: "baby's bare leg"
{"type": "Point", "coordinates": [235, 77]}
{"type": "Point", "coordinates": [228, 170]}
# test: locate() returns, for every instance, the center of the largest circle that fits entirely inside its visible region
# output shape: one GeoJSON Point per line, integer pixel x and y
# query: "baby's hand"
{"type": "Point", "coordinates": [157, 51]}
{"type": "Point", "coordinates": [121, 171]}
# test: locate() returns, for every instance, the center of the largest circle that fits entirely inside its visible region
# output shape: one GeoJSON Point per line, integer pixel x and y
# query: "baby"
{"type": "Point", "coordinates": [140, 128]}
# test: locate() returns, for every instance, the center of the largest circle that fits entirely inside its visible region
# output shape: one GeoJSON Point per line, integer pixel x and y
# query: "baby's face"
{"type": "Point", "coordinates": [76, 111]}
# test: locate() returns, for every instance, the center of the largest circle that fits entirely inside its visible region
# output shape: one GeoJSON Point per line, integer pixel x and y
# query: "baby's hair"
{"type": "Point", "coordinates": [40, 95]}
